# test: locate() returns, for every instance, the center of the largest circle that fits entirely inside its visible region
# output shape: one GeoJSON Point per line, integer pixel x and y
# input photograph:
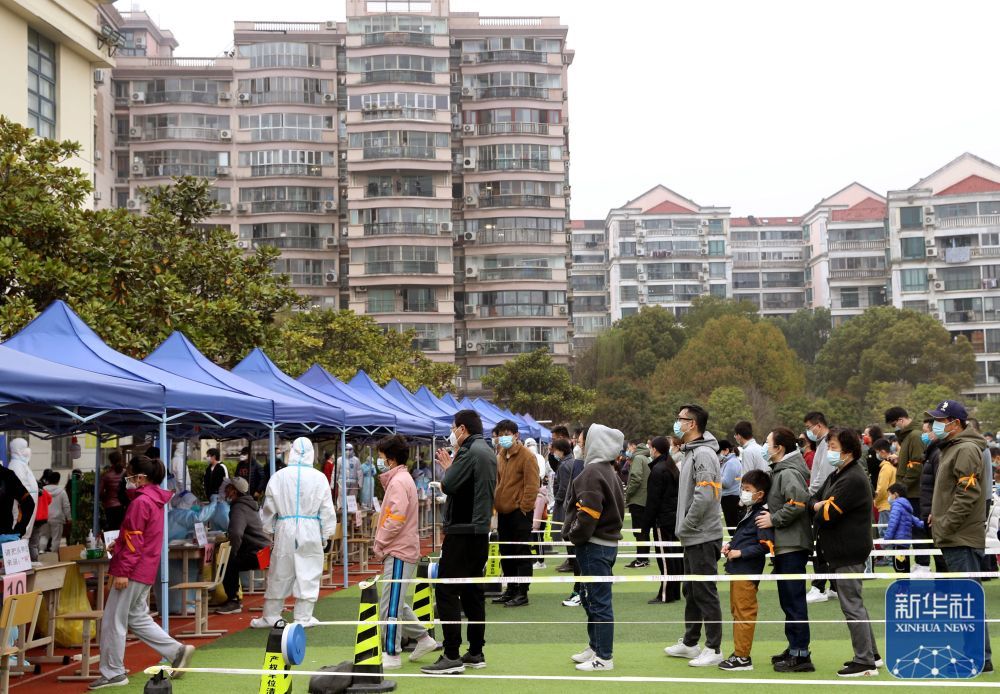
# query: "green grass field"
{"type": "Point", "coordinates": [544, 649]}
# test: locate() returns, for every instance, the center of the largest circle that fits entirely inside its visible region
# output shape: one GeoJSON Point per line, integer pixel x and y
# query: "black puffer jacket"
{"type": "Point", "coordinates": [928, 473]}
{"type": "Point", "coordinates": [843, 527]}
{"type": "Point", "coordinates": [246, 532]}
{"type": "Point", "coordinates": [661, 494]}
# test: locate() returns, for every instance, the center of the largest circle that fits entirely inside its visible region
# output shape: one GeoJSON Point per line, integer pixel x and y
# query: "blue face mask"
{"type": "Point", "coordinates": [381, 465]}
{"type": "Point", "coordinates": [506, 441]}
{"type": "Point", "coordinates": [833, 457]}
{"type": "Point", "coordinates": [938, 429]}
{"type": "Point", "coordinates": [811, 435]}
{"type": "Point", "coordinates": [926, 438]}
{"type": "Point", "coordinates": [768, 453]}
{"type": "Point", "coordinates": [677, 429]}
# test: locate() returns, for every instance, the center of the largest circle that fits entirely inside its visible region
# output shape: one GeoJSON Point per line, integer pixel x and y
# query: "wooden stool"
{"type": "Point", "coordinates": [202, 596]}
{"type": "Point", "coordinates": [361, 545]}
{"type": "Point", "coordinates": [84, 674]}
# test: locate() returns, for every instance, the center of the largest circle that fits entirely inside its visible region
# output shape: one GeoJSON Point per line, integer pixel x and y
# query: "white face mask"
{"type": "Point", "coordinates": [452, 439]}
{"type": "Point", "coordinates": [577, 452]}
{"type": "Point", "coordinates": [746, 498]}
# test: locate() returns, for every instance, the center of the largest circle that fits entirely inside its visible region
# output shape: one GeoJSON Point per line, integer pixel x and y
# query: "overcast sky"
{"type": "Point", "coordinates": [763, 106]}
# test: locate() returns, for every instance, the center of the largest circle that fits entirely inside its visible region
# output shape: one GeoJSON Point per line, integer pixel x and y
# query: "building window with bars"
{"type": "Point", "coordinates": [41, 85]}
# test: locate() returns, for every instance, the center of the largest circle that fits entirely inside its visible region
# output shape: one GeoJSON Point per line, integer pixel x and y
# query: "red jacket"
{"type": "Point", "coordinates": [140, 543]}
{"type": "Point", "coordinates": [397, 534]}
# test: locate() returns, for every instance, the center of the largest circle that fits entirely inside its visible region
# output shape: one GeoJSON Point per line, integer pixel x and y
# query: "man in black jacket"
{"type": "Point", "coordinates": [470, 480]}
{"type": "Point", "coordinates": [928, 473]}
{"type": "Point", "coordinates": [246, 538]}
{"type": "Point", "coordinates": [215, 473]}
{"type": "Point", "coordinates": [12, 493]}
{"type": "Point", "coordinates": [661, 517]}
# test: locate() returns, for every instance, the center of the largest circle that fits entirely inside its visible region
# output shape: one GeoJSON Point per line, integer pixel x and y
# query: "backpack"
{"type": "Point", "coordinates": [42, 509]}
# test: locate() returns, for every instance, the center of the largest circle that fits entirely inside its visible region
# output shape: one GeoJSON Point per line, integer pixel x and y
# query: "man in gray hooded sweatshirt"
{"type": "Point", "coordinates": [699, 529]}
{"type": "Point", "coordinates": [595, 510]}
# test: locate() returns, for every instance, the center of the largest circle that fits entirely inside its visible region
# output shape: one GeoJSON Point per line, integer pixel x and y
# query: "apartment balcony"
{"type": "Point", "coordinates": [859, 274]}
{"type": "Point", "coordinates": [265, 98]}
{"type": "Point", "coordinates": [514, 273]}
{"type": "Point", "coordinates": [401, 229]}
{"type": "Point", "coordinates": [513, 165]}
{"type": "Point", "coordinates": [265, 170]}
{"type": "Point", "coordinates": [402, 306]}
{"type": "Point", "coordinates": [986, 252]}
{"type": "Point", "coordinates": [492, 347]}
{"type": "Point", "coordinates": [487, 129]}
{"type": "Point", "coordinates": [783, 262]}
{"type": "Point", "coordinates": [512, 92]}
{"type": "Point", "coordinates": [398, 38]}
{"type": "Point", "coordinates": [515, 201]}
{"type": "Point", "coordinates": [783, 305]}
{"type": "Point", "coordinates": [293, 206]}
{"type": "Point", "coordinates": [519, 311]}
{"type": "Point", "coordinates": [170, 170]}
{"type": "Point", "coordinates": [178, 133]}
{"type": "Point", "coordinates": [512, 56]}
{"type": "Point", "coordinates": [398, 113]}
{"type": "Point", "coordinates": [972, 221]}
{"type": "Point", "coordinates": [401, 76]}
{"type": "Point", "coordinates": [402, 267]}
{"type": "Point", "coordinates": [180, 97]}
{"type": "Point", "coordinates": [873, 245]}
{"type": "Point", "coordinates": [300, 243]}
{"type": "Point", "coordinates": [676, 253]}
{"type": "Point", "coordinates": [486, 237]}
{"type": "Point", "coordinates": [587, 267]}
{"type": "Point", "coordinates": [399, 152]}
{"type": "Point", "coordinates": [764, 244]}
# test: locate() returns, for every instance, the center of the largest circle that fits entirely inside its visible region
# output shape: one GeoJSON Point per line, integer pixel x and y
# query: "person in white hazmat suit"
{"type": "Point", "coordinates": [299, 513]}
{"type": "Point", "coordinates": [20, 457]}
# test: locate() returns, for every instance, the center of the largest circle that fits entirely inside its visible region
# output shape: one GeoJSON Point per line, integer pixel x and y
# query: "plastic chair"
{"type": "Point", "coordinates": [19, 612]}
{"type": "Point", "coordinates": [203, 595]}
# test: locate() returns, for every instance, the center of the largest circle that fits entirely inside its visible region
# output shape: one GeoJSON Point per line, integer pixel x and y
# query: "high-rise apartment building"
{"type": "Point", "coordinates": [410, 163]}
{"type": "Point", "coordinates": [767, 263]}
{"type": "Point", "coordinates": [589, 281]}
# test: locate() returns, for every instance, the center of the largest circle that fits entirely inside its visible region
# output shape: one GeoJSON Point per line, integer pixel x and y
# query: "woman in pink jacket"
{"type": "Point", "coordinates": [397, 545]}
{"type": "Point", "coordinates": [133, 570]}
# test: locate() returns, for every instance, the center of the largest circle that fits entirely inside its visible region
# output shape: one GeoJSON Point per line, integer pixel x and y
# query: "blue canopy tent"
{"type": "Point", "coordinates": [524, 428]}
{"type": "Point", "coordinates": [59, 335]}
{"type": "Point", "coordinates": [257, 367]}
{"type": "Point", "coordinates": [433, 405]}
{"type": "Point", "coordinates": [450, 400]}
{"type": "Point", "coordinates": [546, 433]}
{"type": "Point", "coordinates": [409, 402]}
{"type": "Point", "coordinates": [369, 389]}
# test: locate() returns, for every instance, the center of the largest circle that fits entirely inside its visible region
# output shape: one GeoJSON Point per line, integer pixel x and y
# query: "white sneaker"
{"type": "Point", "coordinates": [679, 650]}
{"type": "Point", "coordinates": [597, 665]}
{"type": "Point", "coordinates": [261, 623]}
{"type": "Point", "coordinates": [425, 645]}
{"type": "Point", "coordinates": [921, 570]}
{"type": "Point", "coordinates": [307, 623]}
{"type": "Point", "coordinates": [831, 594]}
{"type": "Point", "coordinates": [583, 656]}
{"type": "Point", "coordinates": [391, 662]}
{"type": "Point", "coordinates": [816, 595]}
{"type": "Point", "coordinates": [707, 658]}
{"type": "Point", "coordinates": [538, 565]}
{"type": "Point", "coordinates": [573, 601]}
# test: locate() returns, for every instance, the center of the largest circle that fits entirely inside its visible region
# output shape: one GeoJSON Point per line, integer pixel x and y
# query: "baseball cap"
{"type": "Point", "coordinates": [241, 485]}
{"type": "Point", "coordinates": [950, 409]}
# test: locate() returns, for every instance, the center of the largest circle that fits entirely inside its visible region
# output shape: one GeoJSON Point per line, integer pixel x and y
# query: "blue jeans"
{"type": "Point", "coordinates": [598, 560]}
{"type": "Point", "coordinates": [792, 598]}
{"type": "Point", "coordinates": [967, 559]}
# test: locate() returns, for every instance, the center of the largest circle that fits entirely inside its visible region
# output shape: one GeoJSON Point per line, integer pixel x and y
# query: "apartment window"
{"type": "Point", "coordinates": [285, 54]}
{"type": "Point", "coordinates": [384, 260]}
{"type": "Point", "coordinates": [911, 217]}
{"type": "Point", "coordinates": [381, 301]}
{"type": "Point", "coordinates": [746, 280]}
{"type": "Point", "coordinates": [992, 340]}
{"type": "Point", "coordinates": [628, 293]}
{"type": "Point", "coordinates": [290, 235]}
{"type": "Point", "coordinates": [913, 248]}
{"type": "Point", "coordinates": [627, 272]}
{"type": "Point", "coordinates": [716, 248]}
{"type": "Point", "coordinates": [626, 249]}
{"type": "Point", "coordinates": [849, 298]}
{"type": "Point", "coordinates": [773, 280]}
{"type": "Point", "coordinates": [271, 199]}
{"type": "Point", "coordinates": [914, 280]}
{"type": "Point", "coordinates": [717, 271]}
{"type": "Point", "coordinates": [963, 278]}
{"type": "Point", "coordinates": [718, 290]}
{"type": "Point", "coordinates": [41, 85]}
{"type": "Point", "coordinates": [268, 127]}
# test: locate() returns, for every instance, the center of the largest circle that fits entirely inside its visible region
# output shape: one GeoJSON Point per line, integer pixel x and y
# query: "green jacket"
{"type": "Point", "coordinates": [910, 459]}
{"type": "Point", "coordinates": [638, 475]}
{"type": "Point", "coordinates": [960, 497]}
{"type": "Point", "coordinates": [787, 503]}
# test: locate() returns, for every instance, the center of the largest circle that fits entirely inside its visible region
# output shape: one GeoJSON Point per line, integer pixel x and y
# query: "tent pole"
{"type": "Point", "coordinates": [164, 444]}
{"type": "Point", "coordinates": [97, 485]}
{"type": "Point", "coordinates": [343, 501]}
{"type": "Point", "coordinates": [434, 508]}
{"type": "Point", "coordinates": [184, 471]}
{"type": "Point", "coordinates": [271, 444]}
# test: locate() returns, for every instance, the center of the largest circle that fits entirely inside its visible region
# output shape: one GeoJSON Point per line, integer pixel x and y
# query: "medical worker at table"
{"type": "Point", "coordinates": [299, 512]}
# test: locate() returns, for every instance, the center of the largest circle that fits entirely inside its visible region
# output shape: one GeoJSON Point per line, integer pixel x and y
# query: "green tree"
{"type": "Point", "coordinates": [707, 307]}
{"type": "Point", "coordinates": [988, 414]}
{"type": "Point", "coordinates": [914, 399]}
{"type": "Point", "coordinates": [533, 383]}
{"type": "Point", "coordinates": [886, 344]}
{"type": "Point", "coordinates": [727, 405]}
{"type": "Point", "coordinates": [632, 348]}
{"type": "Point", "coordinates": [734, 352]}
{"type": "Point", "coordinates": [133, 278]}
{"type": "Point", "coordinates": [621, 404]}
{"type": "Point", "coordinates": [806, 331]}
{"type": "Point", "coordinates": [343, 343]}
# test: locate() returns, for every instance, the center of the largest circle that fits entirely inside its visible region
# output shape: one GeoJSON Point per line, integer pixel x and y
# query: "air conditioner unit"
{"type": "Point", "coordinates": [930, 242]}
{"type": "Point", "coordinates": [469, 163]}
{"type": "Point", "coordinates": [139, 41]}
{"type": "Point", "coordinates": [642, 299]}
{"type": "Point", "coordinates": [640, 233]}
{"type": "Point", "coordinates": [446, 227]}
{"type": "Point", "coordinates": [641, 274]}
{"type": "Point", "coordinates": [133, 204]}
{"type": "Point", "coordinates": [329, 205]}
{"type": "Point", "coordinates": [704, 251]}
{"type": "Point", "coordinates": [135, 133]}
{"type": "Point", "coordinates": [330, 277]}
{"type": "Point", "coordinates": [471, 346]}
{"type": "Point", "coordinates": [243, 244]}
{"type": "Point", "coordinates": [98, 76]}
{"type": "Point", "coordinates": [702, 231]}
{"type": "Point", "coordinates": [469, 58]}
{"type": "Point", "coordinates": [226, 207]}
{"type": "Point", "coordinates": [563, 310]}
{"type": "Point", "coordinates": [471, 272]}
{"type": "Point", "coordinates": [939, 286]}
{"type": "Point", "coordinates": [225, 134]}
{"type": "Point", "coordinates": [361, 290]}
{"type": "Point", "coordinates": [97, 195]}
{"type": "Point", "coordinates": [468, 91]}
{"type": "Point", "coordinates": [471, 200]}
{"type": "Point", "coordinates": [330, 242]}
{"type": "Point", "coordinates": [931, 252]}
{"type": "Point", "coordinates": [343, 156]}
{"type": "Point", "coordinates": [344, 232]}
{"type": "Point", "coordinates": [640, 252]}
{"type": "Point", "coordinates": [455, 78]}
{"type": "Point", "coordinates": [97, 155]}
{"type": "Point", "coordinates": [469, 236]}
{"type": "Point", "coordinates": [935, 314]}
{"type": "Point", "coordinates": [222, 171]}
{"type": "Point", "coordinates": [329, 98]}
{"type": "Point", "coordinates": [703, 223]}
{"type": "Point", "coordinates": [137, 169]}
{"type": "Point", "coordinates": [470, 309]}
{"type": "Point", "coordinates": [243, 208]}
{"type": "Point", "coordinates": [331, 25]}
{"type": "Point", "coordinates": [469, 128]}
{"type": "Point", "coordinates": [138, 97]}
{"type": "Point", "coordinates": [931, 276]}
{"type": "Point", "coordinates": [929, 218]}
{"type": "Point", "coordinates": [244, 97]}
{"type": "Point", "coordinates": [225, 96]}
